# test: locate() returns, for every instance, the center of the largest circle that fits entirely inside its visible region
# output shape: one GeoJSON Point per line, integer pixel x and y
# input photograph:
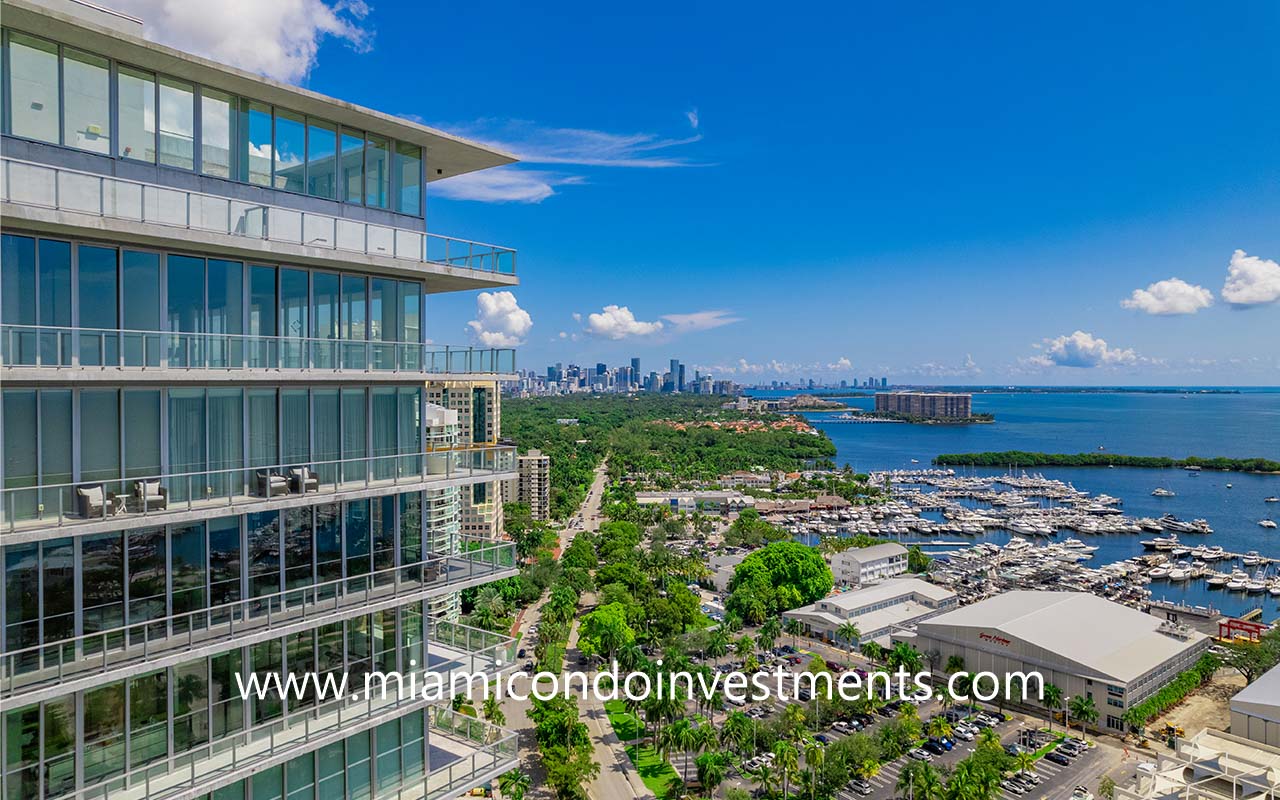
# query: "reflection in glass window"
{"type": "Point", "coordinates": [377, 172]}
{"type": "Point", "coordinates": [136, 110]}
{"type": "Point", "coordinates": [215, 133]}
{"type": "Point", "coordinates": [322, 167]}
{"type": "Point", "coordinates": [409, 179]}
{"type": "Point", "coordinates": [177, 124]}
{"type": "Point", "coordinates": [99, 305]}
{"type": "Point", "coordinates": [289, 151]}
{"type": "Point", "coordinates": [352, 166]}
{"type": "Point", "coordinates": [254, 129]}
{"type": "Point", "coordinates": [33, 88]}
{"type": "Point", "coordinates": [86, 95]}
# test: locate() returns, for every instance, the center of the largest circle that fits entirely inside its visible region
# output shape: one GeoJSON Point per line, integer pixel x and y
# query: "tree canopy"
{"type": "Point", "coordinates": [777, 578]}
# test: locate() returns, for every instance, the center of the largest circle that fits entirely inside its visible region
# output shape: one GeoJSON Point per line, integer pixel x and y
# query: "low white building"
{"type": "Point", "coordinates": [862, 565]}
{"type": "Point", "coordinates": [714, 501]}
{"type": "Point", "coordinates": [877, 610]}
{"type": "Point", "coordinates": [1255, 710]}
{"type": "Point", "coordinates": [722, 567]}
{"type": "Point", "coordinates": [1209, 766]}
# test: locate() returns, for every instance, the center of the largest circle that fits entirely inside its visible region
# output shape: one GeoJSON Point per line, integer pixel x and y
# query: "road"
{"type": "Point", "coordinates": [618, 778]}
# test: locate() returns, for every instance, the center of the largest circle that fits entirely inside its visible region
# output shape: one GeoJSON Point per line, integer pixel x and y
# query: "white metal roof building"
{"type": "Point", "coordinates": [1255, 710]}
{"type": "Point", "coordinates": [860, 565]}
{"type": "Point", "coordinates": [876, 610]}
{"type": "Point", "coordinates": [1210, 765]}
{"type": "Point", "coordinates": [1080, 642]}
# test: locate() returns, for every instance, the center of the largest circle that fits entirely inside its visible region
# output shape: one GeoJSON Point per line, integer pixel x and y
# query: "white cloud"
{"type": "Point", "coordinates": [701, 320]}
{"type": "Point", "coordinates": [841, 363]}
{"type": "Point", "coordinates": [1169, 297]}
{"type": "Point", "coordinates": [582, 147]}
{"type": "Point", "coordinates": [1081, 349]}
{"type": "Point", "coordinates": [500, 321]}
{"type": "Point", "coordinates": [1251, 281]}
{"type": "Point", "coordinates": [617, 322]}
{"type": "Point", "coordinates": [692, 116]}
{"type": "Point", "coordinates": [504, 185]}
{"type": "Point", "coordinates": [279, 38]}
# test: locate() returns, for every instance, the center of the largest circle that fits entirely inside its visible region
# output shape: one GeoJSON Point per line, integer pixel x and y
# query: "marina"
{"type": "Point", "coordinates": [995, 533]}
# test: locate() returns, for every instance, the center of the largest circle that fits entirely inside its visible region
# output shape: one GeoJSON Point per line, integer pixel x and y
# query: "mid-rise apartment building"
{"type": "Point", "coordinates": [533, 484]}
{"type": "Point", "coordinates": [221, 456]}
{"type": "Point", "coordinates": [938, 405]}
{"type": "Point", "coordinates": [478, 404]}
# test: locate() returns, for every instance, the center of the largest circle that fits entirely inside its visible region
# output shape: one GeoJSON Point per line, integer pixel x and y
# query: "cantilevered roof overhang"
{"type": "Point", "coordinates": [446, 155]}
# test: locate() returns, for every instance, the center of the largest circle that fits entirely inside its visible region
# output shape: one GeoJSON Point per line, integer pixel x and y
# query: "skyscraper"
{"type": "Point", "coordinates": [635, 372]}
{"type": "Point", "coordinates": [218, 453]}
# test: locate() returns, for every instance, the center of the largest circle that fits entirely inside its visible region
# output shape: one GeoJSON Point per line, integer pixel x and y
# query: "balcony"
{"type": "Point", "coordinates": [463, 752]}
{"type": "Point", "coordinates": [56, 198]}
{"type": "Point", "coordinates": [41, 353]}
{"type": "Point", "coordinates": [56, 668]}
{"type": "Point", "coordinates": [28, 513]}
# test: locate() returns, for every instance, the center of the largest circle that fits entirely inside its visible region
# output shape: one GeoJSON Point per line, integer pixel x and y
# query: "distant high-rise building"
{"type": "Point", "coordinates": [635, 370]}
{"type": "Point", "coordinates": [938, 405]}
{"type": "Point", "coordinates": [680, 384]}
{"type": "Point", "coordinates": [884, 382]}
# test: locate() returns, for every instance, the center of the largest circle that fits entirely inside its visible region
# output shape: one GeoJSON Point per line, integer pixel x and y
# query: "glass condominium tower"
{"type": "Point", "coordinates": [220, 458]}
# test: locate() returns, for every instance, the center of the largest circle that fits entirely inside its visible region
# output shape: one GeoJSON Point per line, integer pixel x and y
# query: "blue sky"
{"type": "Point", "coordinates": [927, 191]}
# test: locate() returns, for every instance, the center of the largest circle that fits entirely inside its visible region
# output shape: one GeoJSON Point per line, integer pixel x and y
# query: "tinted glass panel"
{"type": "Point", "coordinates": [177, 124]}
{"type": "Point", "coordinates": [136, 101]}
{"type": "Point", "coordinates": [33, 88]}
{"type": "Point", "coordinates": [322, 167]}
{"type": "Point", "coordinates": [86, 94]}
{"type": "Point", "coordinates": [377, 172]}
{"type": "Point", "coordinates": [352, 167]}
{"type": "Point", "coordinates": [408, 179]}
{"type": "Point", "coordinates": [99, 434]}
{"type": "Point", "coordinates": [215, 133]}
{"type": "Point", "coordinates": [290, 151]}
{"type": "Point", "coordinates": [254, 152]}
{"type": "Point", "coordinates": [141, 433]}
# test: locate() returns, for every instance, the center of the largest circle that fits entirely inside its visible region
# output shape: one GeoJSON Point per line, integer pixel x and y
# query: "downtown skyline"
{"type": "Point", "coordinates": [1005, 196]}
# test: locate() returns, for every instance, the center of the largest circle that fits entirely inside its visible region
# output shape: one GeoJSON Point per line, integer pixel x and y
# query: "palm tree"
{"type": "Point", "coordinates": [718, 644]}
{"type": "Point", "coordinates": [794, 629]}
{"type": "Point", "coordinates": [872, 651]}
{"type": "Point", "coordinates": [514, 784]}
{"type": "Point", "coordinates": [744, 647]}
{"type": "Point", "coordinates": [771, 629]}
{"type": "Point", "coordinates": [767, 779]}
{"type": "Point", "coordinates": [988, 737]}
{"type": "Point", "coordinates": [955, 663]}
{"type": "Point", "coordinates": [711, 771]}
{"type": "Point", "coordinates": [737, 728]}
{"type": "Point", "coordinates": [1083, 709]}
{"type": "Point", "coordinates": [492, 711]}
{"type": "Point", "coordinates": [904, 656]}
{"type": "Point", "coordinates": [920, 781]}
{"type": "Point", "coordinates": [814, 757]}
{"type": "Point", "coordinates": [938, 727]}
{"type": "Point", "coordinates": [786, 758]}
{"type": "Point", "coordinates": [848, 631]}
{"type": "Point", "coordinates": [1052, 699]}
{"type": "Point", "coordinates": [793, 717]}
{"type": "Point", "coordinates": [1025, 761]}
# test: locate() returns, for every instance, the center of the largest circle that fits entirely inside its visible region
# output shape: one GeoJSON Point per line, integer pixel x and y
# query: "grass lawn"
{"type": "Point", "coordinates": [654, 770]}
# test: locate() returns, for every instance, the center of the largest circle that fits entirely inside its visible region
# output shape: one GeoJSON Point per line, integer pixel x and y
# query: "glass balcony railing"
{"type": "Point", "coordinates": [464, 752]}
{"type": "Point", "coordinates": [144, 499]}
{"type": "Point", "coordinates": [134, 646]}
{"type": "Point", "coordinates": [106, 350]}
{"type": "Point", "coordinates": [41, 185]}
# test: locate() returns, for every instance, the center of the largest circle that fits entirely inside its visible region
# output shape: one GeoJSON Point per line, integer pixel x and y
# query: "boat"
{"type": "Point", "coordinates": [1192, 468]}
{"type": "Point", "coordinates": [1255, 587]}
{"type": "Point", "coordinates": [1214, 553]}
{"type": "Point", "coordinates": [1181, 572]}
{"type": "Point", "coordinates": [1237, 584]}
{"type": "Point", "coordinates": [1076, 544]}
{"type": "Point", "coordinates": [1159, 572]}
{"type": "Point", "coordinates": [1218, 581]}
{"type": "Point", "coordinates": [1160, 491]}
{"type": "Point", "coordinates": [1228, 486]}
{"type": "Point", "coordinates": [1271, 499]}
{"type": "Point", "coordinates": [1251, 559]}
{"type": "Point", "coordinates": [1267, 523]}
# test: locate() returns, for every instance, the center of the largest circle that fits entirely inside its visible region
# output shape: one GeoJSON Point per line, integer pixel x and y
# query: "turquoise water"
{"type": "Point", "coordinates": [1234, 425]}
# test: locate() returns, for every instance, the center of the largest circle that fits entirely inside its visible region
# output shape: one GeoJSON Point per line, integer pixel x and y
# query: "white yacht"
{"type": "Point", "coordinates": [1076, 544]}
{"type": "Point", "coordinates": [1267, 523]}
{"type": "Point", "coordinates": [1160, 491]}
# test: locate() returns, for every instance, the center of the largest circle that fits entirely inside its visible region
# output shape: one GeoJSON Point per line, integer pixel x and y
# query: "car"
{"type": "Point", "coordinates": [1031, 776]}
{"type": "Point", "coordinates": [1023, 778]}
{"type": "Point", "coordinates": [1081, 793]}
{"type": "Point", "coordinates": [859, 786]}
{"type": "Point", "coordinates": [921, 696]}
{"type": "Point", "coordinates": [841, 725]}
{"type": "Point", "coordinates": [920, 755]}
{"type": "Point", "coordinates": [1015, 749]}
{"type": "Point", "coordinates": [1071, 750]}
{"type": "Point", "coordinates": [933, 747]}
{"type": "Point", "coordinates": [1013, 788]}
{"type": "Point", "coordinates": [821, 739]}
{"type": "Point", "coordinates": [865, 719]}
{"type": "Point", "coordinates": [520, 653]}
{"type": "Point", "coordinates": [528, 667]}
{"type": "Point", "coordinates": [963, 734]}
{"type": "Point", "coordinates": [1058, 758]}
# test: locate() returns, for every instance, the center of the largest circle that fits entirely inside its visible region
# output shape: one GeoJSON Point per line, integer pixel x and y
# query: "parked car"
{"type": "Point", "coordinates": [1058, 758]}
{"type": "Point", "coordinates": [920, 755]}
{"type": "Point", "coordinates": [841, 726]}
{"type": "Point", "coordinates": [860, 787]}
{"type": "Point", "coordinates": [933, 747]}
{"type": "Point", "coordinates": [1012, 788]}
{"type": "Point", "coordinates": [821, 738]}
{"type": "Point", "coordinates": [1015, 749]}
{"type": "Point", "coordinates": [963, 734]}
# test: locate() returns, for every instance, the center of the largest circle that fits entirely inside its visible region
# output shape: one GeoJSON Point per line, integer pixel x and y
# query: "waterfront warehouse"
{"type": "Point", "coordinates": [1082, 643]}
{"type": "Point", "coordinates": [1255, 710]}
